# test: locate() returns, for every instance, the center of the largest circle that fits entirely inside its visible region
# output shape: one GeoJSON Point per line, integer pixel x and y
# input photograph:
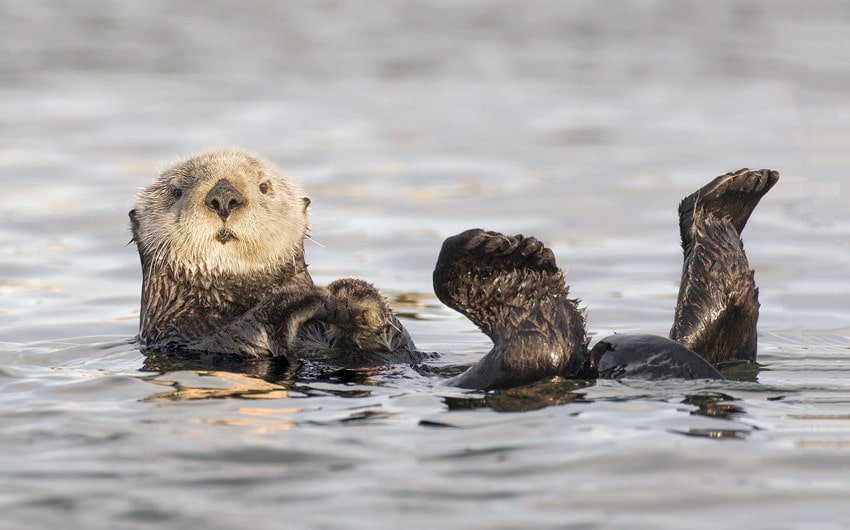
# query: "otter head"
{"type": "Point", "coordinates": [222, 213]}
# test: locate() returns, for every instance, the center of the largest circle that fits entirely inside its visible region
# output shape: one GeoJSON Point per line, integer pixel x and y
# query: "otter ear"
{"type": "Point", "coordinates": [134, 224]}
{"type": "Point", "coordinates": [306, 202]}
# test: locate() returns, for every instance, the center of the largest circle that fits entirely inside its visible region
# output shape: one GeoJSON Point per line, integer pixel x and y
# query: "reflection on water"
{"type": "Point", "coordinates": [215, 385]}
{"type": "Point", "coordinates": [531, 397]}
{"type": "Point", "coordinates": [216, 376]}
{"type": "Point", "coordinates": [261, 425]}
{"type": "Point", "coordinates": [715, 405]}
{"type": "Point", "coordinates": [742, 371]}
{"type": "Point", "coordinates": [716, 434]}
{"type": "Point", "coordinates": [419, 306]}
{"type": "Point", "coordinates": [271, 369]}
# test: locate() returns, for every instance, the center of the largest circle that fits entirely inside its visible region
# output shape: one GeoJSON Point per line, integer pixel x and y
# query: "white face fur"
{"type": "Point", "coordinates": [178, 231]}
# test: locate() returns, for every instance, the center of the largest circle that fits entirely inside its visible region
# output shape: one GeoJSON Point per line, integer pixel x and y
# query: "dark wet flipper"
{"type": "Point", "coordinates": [732, 196]}
{"type": "Point", "coordinates": [717, 307]}
{"type": "Point", "coordinates": [513, 290]}
{"type": "Point", "coordinates": [480, 274]}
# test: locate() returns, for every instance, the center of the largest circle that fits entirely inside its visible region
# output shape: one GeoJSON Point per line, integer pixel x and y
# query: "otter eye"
{"type": "Point", "coordinates": [177, 193]}
{"type": "Point", "coordinates": [264, 188]}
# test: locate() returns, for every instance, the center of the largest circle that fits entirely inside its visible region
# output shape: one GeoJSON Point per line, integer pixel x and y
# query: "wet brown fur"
{"type": "Point", "coordinates": [221, 236]}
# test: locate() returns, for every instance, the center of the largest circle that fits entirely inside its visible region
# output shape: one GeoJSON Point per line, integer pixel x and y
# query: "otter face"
{"type": "Point", "coordinates": [223, 212]}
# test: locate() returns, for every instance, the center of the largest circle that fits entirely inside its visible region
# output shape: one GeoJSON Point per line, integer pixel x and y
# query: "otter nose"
{"type": "Point", "coordinates": [223, 198]}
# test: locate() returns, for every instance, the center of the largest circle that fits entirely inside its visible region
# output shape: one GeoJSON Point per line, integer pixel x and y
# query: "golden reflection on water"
{"type": "Point", "coordinates": [823, 425]}
{"type": "Point", "coordinates": [825, 444]}
{"type": "Point", "coordinates": [206, 385]}
{"type": "Point", "coordinates": [262, 421]}
{"type": "Point", "coordinates": [418, 306]}
{"type": "Point", "coordinates": [240, 386]}
{"type": "Point", "coordinates": [818, 416]}
{"type": "Point", "coordinates": [413, 300]}
{"type": "Point", "coordinates": [30, 285]}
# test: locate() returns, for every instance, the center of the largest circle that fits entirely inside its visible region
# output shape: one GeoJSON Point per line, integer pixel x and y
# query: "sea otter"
{"type": "Point", "coordinates": [221, 241]}
{"type": "Point", "coordinates": [512, 289]}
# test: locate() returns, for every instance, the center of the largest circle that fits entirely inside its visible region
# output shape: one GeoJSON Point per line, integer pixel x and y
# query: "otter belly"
{"type": "Point", "coordinates": [648, 357]}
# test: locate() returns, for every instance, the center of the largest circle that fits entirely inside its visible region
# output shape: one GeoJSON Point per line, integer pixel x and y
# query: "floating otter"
{"type": "Point", "coordinates": [221, 241]}
{"type": "Point", "coordinates": [511, 288]}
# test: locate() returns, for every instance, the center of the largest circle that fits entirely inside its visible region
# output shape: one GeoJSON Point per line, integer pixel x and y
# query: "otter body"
{"type": "Point", "coordinates": [221, 241]}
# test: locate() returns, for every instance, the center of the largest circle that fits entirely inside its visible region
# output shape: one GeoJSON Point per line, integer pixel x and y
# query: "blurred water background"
{"type": "Point", "coordinates": [580, 122]}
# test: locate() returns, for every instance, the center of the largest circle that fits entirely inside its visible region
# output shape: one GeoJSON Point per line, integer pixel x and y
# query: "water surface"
{"type": "Point", "coordinates": [582, 123]}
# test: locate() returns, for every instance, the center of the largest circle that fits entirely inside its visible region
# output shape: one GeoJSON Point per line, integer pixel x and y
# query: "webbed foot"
{"type": "Point", "coordinates": [732, 196]}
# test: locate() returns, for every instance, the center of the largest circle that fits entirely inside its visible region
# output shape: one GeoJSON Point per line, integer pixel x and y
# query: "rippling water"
{"type": "Point", "coordinates": [582, 123]}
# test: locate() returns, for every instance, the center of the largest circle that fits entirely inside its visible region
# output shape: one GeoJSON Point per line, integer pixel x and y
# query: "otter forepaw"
{"type": "Point", "coordinates": [365, 306]}
{"type": "Point", "coordinates": [371, 325]}
{"type": "Point", "coordinates": [500, 281]}
{"type": "Point", "coordinates": [479, 249]}
{"type": "Point", "coordinates": [331, 311]}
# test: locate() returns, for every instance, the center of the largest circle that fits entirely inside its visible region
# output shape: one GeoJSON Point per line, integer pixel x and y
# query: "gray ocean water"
{"type": "Point", "coordinates": [582, 123]}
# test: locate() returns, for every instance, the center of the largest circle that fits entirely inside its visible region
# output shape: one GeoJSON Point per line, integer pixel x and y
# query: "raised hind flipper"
{"type": "Point", "coordinates": [511, 288]}
{"type": "Point", "coordinates": [732, 196]}
{"type": "Point", "coordinates": [717, 307]}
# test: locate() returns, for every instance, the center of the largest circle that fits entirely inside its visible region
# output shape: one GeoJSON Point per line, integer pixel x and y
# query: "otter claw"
{"type": "Point", "coordinates": [501, 243]}
{"type": "Point", "coordinates": [334, 312]}
{"type": "Point", "coordinates": [531, 246]}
